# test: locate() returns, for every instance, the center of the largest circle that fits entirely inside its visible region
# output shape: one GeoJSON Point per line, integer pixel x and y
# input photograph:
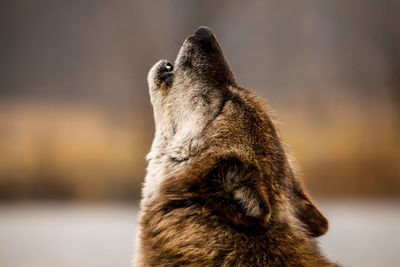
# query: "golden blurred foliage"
{"type": "Point", "coordinates": [69, 151]}
{"type": "Point", "coordinates": [80, 152]}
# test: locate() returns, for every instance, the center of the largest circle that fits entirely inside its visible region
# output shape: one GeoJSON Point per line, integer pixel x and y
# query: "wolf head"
{"type": "Point", "coordinates": [188, 95]}
{"type": "Point", "coordinates": [216, 144]}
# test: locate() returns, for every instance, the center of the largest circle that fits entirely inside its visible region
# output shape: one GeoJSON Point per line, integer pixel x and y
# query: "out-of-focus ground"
{"type": "Point", "coordinates": [362, 233]}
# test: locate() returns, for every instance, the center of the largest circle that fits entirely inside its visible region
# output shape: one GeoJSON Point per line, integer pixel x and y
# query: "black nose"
{"type": "Point", "coordinates": [203, 31]}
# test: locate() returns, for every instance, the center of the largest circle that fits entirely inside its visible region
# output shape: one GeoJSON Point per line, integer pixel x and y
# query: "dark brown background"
{"type": "Point", "coordinates": [75, 116]}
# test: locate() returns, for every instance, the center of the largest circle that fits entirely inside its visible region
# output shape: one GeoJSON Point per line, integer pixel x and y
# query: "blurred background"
{"type": "Point", "coordinates": [76, 121]}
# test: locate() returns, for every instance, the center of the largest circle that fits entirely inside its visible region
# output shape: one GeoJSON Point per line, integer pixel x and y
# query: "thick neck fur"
{"type": "Point", "coordinates": [181, 223]}
{"type": "Point", "coordinates": [181, 119]}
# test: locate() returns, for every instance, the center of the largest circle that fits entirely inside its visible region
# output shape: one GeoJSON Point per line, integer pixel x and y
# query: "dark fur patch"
{"type": "Point", "coordinates": [234, 190]}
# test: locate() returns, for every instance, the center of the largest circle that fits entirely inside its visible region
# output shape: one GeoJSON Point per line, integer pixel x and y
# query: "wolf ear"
{"type": "Point", "coordinates": [236, 189]}
{"type": "Point", "coordinates": [307, 212]}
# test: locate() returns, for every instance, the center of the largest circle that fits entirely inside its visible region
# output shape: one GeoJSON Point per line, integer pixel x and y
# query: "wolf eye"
{"type": "Point", "coordinates": [169, 67]}
{"type": "Point", "coordinates": [166, 67]}
{"type": "Point", "coordinates": [165, 73]}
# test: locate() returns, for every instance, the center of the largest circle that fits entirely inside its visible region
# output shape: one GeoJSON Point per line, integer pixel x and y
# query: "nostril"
{"type": "Point", "coordinates": [203, 31]}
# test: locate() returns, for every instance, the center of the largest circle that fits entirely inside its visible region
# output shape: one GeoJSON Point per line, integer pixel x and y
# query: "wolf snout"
{"type": "Point", "coordinates": [203, 31]}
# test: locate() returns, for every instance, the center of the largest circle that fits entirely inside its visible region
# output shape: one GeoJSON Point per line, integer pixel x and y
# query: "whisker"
{"type": "Point", "coordinates": [175, 41]}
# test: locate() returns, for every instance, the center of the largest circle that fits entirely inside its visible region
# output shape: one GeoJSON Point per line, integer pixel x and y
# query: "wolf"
{"type": "Point", "coordinates": [220, 189]}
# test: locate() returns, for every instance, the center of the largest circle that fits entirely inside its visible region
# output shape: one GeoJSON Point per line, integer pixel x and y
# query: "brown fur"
{"type": "Point", "coordinates": [234, 200]}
